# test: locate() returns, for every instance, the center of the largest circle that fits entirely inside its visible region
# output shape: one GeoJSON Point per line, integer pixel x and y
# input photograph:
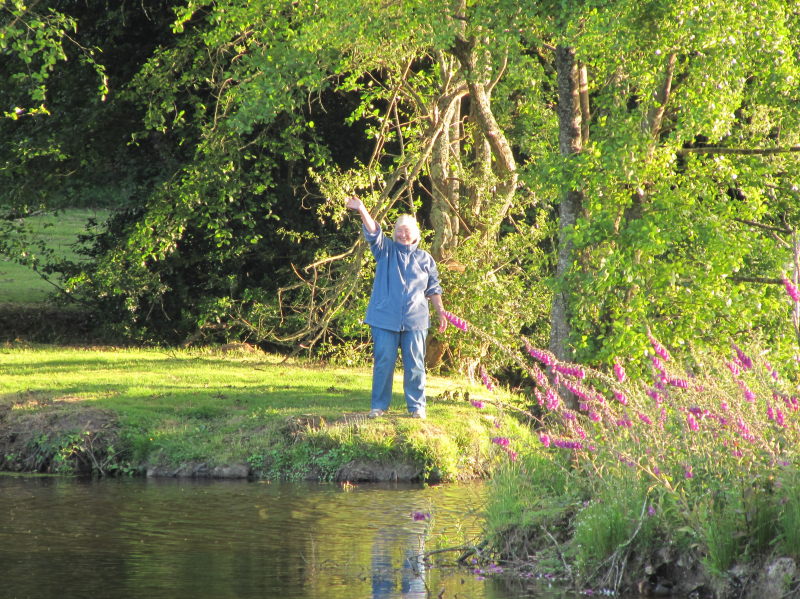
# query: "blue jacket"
{"type": "Point", "coordinates": [405, 277]}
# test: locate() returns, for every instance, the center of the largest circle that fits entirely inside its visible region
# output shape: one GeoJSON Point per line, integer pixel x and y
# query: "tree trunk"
{"type": "Point", "coordinates": [445, 185]}
{"type": "Point", "coordinates": [570, 139]}
{"type": "Point", "coordinates": [504, 163]}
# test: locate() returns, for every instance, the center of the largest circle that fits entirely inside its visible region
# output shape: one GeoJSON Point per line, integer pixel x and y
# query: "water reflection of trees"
{"type": "Point", "coordinates": [171, 538]}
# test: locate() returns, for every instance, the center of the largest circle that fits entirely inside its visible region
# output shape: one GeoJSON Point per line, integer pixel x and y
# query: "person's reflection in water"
{"type": "Point", "coordinates": [388, 541]}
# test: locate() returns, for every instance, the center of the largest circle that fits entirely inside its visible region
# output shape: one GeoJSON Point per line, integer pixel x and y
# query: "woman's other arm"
{"type": "Point", "coordinates": [436, 300]}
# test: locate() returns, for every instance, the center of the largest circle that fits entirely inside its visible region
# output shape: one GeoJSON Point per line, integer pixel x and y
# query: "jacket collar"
{"type": "Point", "coordinates": [406, 249]}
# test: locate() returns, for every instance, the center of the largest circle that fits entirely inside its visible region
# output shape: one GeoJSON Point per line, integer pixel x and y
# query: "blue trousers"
{"type": "Point", "coordinates": [385, 345]}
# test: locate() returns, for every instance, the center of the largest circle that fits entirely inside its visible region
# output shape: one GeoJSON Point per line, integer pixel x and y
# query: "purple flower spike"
{"type": "Point", "coordinates": [563, 444]}
{"type": "Point", "coordinates": [733, 366]}
{"type": "Point", "coordinates": [658, 348]}
{"type": "Point", "coordinates": [619, 371]}
{"type": "Point", "coordinates": [748, 394]}
{"type": "Point", "coordinates": [791, 289]}
{"type": "Point", "coordinates": [420, 516]}
{"type": "Point", "coordinates": [677, 382]}
{"type": "Point", "coordinates": [545, 439]}
{"type": "Point", "coordinates": [744, 359]}
{"type": "Point", "coordinates": [552, 400]}
{"type": "Point", "coordinates": [457, 322]}
{"type": "Point", "coordinates": [477, 403]}
{"type": "Point", "coordinates": [575, 371]}
{"type": "Point", "coordinates": [544, 357]}
{"type": "Point", "coordinates": [501, 441]}
{"type": "Point", "coordinates": [486, 379]}
{"type": "Point", "coordinates": [690, 420]}
{"type": "Point", "coordinates": [621, 397]}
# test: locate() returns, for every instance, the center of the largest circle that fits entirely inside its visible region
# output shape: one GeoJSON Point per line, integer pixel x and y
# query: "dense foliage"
{"type": "Point", "coordinates": [591, 170]}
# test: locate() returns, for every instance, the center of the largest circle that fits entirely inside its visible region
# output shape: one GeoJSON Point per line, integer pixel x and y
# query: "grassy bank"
{"type": "Point", "coordinates": [683, 483]}
{"type": "Point", "coordinates": [231, 411]}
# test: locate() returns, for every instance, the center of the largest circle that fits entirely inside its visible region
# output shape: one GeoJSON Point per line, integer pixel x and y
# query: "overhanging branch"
{"type": "Point", "coordinates": [738, 151]}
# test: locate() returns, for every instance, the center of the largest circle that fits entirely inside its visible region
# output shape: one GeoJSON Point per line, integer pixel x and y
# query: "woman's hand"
{"type": "Point", "coordinates": [436, 300]}
{"type": "Point", "coordinates": [353, 203]}
{"type": "Point", "coordinates": [442, 322]}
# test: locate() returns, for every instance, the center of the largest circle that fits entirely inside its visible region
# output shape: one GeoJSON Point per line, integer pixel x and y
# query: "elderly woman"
{"type": "Point", "coordinates": [406, 278]}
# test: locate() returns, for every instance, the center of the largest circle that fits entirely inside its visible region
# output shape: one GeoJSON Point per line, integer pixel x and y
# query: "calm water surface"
{"type": "Point", "coordinates": [174, 538]}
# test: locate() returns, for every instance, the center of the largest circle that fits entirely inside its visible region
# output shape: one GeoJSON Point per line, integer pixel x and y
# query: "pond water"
{"type": "Point", "coordinates": [177, 538]}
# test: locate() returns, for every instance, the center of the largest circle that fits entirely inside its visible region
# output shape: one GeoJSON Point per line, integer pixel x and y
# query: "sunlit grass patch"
{"type": "Point", "coordinates": [20, 284]}
{"type": "Point", "coordinates": [282, 417]}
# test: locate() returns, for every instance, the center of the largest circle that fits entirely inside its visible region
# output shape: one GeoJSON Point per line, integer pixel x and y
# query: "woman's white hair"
{"type": "Point", "coordinates": [407, 220]}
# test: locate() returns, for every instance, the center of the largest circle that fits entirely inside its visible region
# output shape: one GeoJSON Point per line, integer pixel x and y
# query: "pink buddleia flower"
{"type": "Point", "coordinates": [791, 289]}
{"type": "Point", "coordinates": [486, 379]}
{"type": "Point", "coordinates": [542, 356]}
{"type": "Point", "coordinates": [733, 366]}
{"type": "Point", "coordinates": [693, 425]}
{"type": "Point", "coordinates": [457, 322]}
{"type": "Point", "coordinates": [748, 394]}
{"type": "Point", "coordinates": [621, 397]}
{"type": "Point", "coordinates": [772, 372]}
{"type": "Point", "coordinates": [552, 400]}
{"type": "Point", "coordinates": [544, 439]}
{"type": "Point", "coordinates": [658, 348]}
{"type": "Point", "coordinates": [575, 371]}
{"type": "Point", "coordinates": [744, 359]}
{"type": "Point", "coordinates": [619, 371]}
{"type": "Point", "coordinates": [678, 382]}
{"type": "Point", "coordinates": [658, 365]}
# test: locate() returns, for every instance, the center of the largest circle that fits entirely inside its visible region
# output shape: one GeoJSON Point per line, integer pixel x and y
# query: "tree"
{"type": "Point", "coordinates": [485, 118]}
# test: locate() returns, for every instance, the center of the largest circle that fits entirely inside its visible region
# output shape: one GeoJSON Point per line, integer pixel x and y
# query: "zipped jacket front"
{"type": "Point", "coordinates": [405, 277]}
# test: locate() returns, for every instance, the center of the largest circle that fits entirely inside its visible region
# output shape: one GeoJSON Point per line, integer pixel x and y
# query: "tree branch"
{"type": "Point", "coordinates": [785, 230]}
{"type": "Point", "coordinates": [738, 151]}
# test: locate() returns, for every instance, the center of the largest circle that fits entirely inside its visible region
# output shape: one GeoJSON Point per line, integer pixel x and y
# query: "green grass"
{"type": "Point", "coordinates": [282, 418]}
{"type": "Point", "coordinates": [20, 284]}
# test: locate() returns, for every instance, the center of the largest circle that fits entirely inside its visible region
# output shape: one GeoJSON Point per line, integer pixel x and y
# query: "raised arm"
{"type": "Point", "coordinates": [353, 203]}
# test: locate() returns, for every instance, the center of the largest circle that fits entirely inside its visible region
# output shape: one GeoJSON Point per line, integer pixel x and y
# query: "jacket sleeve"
{"type": "Point", "coordinates": [434, 287]}
{"type": "Point", "coordinates": [376, 241]}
